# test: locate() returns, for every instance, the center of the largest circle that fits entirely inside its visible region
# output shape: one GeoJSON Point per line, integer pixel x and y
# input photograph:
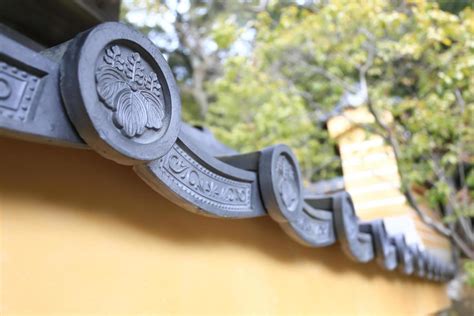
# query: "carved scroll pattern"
{"type": "Point", "coordinates": [315, 229]}
{"type": "Point", "coordinates": [187, 175]}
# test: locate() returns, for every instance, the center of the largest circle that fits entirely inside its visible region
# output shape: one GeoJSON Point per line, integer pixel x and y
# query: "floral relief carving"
{"type": "Point", "coordinates": [132, 95]}
{"type": "Point", "coordinates": [287, 183]}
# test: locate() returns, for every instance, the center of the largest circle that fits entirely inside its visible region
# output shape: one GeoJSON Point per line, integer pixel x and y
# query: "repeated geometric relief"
{"type": "Point", "coordinates": [186, 175]}
{"type": "Point", "coordinates": [17, 90]}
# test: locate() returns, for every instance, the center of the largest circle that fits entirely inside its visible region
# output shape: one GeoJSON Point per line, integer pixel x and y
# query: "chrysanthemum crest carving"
{"type": "Point", "coordinates": [132, 95]}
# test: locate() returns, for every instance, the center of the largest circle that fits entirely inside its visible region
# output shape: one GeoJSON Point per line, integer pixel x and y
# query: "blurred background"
{"type": "Point", "coordinates": [263, 72]}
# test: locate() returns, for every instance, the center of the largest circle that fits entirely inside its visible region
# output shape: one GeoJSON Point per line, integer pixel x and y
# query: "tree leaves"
{"type": "Point", "coordinates": [422, 73]}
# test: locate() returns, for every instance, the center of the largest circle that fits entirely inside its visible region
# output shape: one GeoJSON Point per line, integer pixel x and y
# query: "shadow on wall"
{"type": "Point", "coordinates": [85, 182]}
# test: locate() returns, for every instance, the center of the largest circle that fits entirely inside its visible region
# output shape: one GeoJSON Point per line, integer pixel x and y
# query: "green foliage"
{"type": "Point", "coordinates": [469, 268]}
{"type": "Point", "coordinates": [195, 36]}
{"type": "Point", "coordinates": [305, 59]}
{"type": "Point", "coordinates": [416, 58]}
{"type": "Point", "coordinates": [224, 33]}
{"type": "Point", "coordinates": [255, 110]}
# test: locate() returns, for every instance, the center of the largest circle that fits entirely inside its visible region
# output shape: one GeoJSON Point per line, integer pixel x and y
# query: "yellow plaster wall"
{"type": "Point", "coordinates": [81, 235]}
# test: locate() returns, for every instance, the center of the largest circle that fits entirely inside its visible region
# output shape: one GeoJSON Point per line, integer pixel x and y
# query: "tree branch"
{"type": "Point", "coordinates": [451, 200]}
{"type": "Point", "coordinates": [437, 226]}
{"type": "Point", "coordinates": [371, 50]}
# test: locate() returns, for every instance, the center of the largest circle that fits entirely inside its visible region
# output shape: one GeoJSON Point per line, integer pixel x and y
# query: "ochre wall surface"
{"type": "Point", "coordinates": [82, 235]}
